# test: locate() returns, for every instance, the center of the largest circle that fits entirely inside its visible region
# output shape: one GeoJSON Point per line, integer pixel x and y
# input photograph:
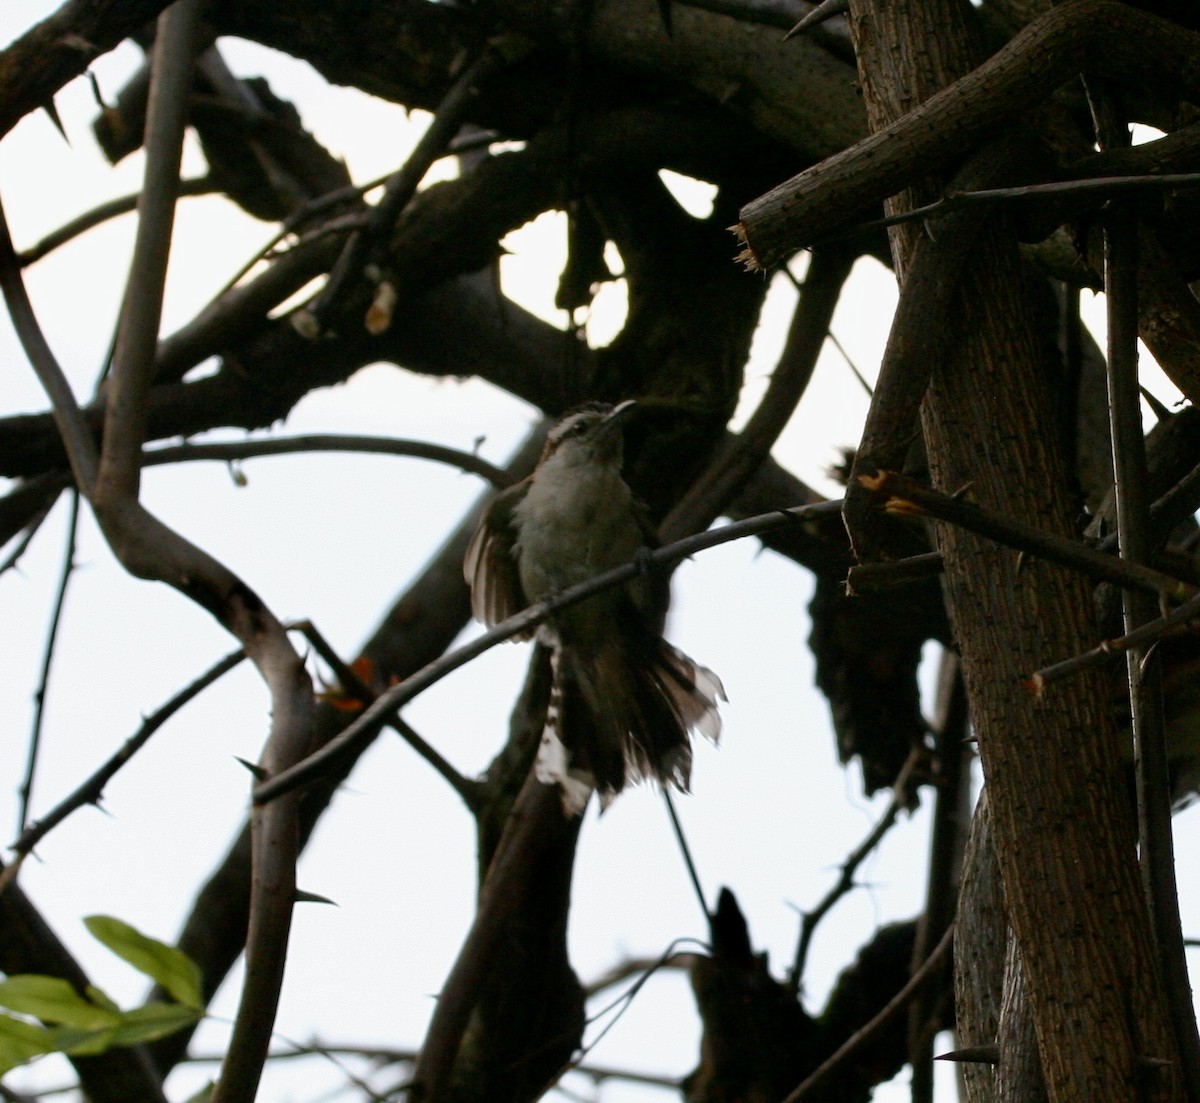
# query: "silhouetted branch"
{"type": "Point", "coordinates": [862, 1038]}
{"type": "Point", "coordinates": [351, 683]}
{"type": "Point", "coordinates": [328, 442]}
{"type": "Point", "coordinates": [446, 123]}
{"type": "Point", "coordinates": [25, 790]}
{"type": "Point", "coordinates": [97, 216]}
{"type": "Point", "coordinates": [92, 789]}
{"type": "Point", "coordinates": [901, 798]}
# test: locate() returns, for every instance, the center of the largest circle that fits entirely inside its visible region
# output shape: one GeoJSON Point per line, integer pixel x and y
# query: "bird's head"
{"type": "Point", "coordinates": [588, 434]}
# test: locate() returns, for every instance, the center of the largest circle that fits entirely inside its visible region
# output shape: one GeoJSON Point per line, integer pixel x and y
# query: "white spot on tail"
{"type": "Point", "coordinates": [553, 763]}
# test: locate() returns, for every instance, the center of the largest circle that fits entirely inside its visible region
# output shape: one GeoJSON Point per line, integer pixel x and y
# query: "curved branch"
{"type": "Point", "coordinates": [97, 216]}
{"type": "Point", "coordinates": [422, 622]}
{"type": "Point", "coordinates": [329, 442]}
{"type": "Point", "coordinates": [738, 457]}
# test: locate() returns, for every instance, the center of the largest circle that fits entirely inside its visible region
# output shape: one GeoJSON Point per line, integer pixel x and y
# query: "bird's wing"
{"type": "Point", "coordinates": [490, 567]}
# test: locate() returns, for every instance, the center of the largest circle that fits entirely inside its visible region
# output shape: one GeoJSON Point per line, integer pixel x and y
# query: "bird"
{"type": "Point", "coordinates": [623, 700]}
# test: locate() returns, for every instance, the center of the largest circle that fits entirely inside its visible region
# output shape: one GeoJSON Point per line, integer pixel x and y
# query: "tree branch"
{"type": "Point", "coordinates": [328, 442]}
{"type": "Point", "coordinates": [1144, 671]}
{"type": "Point", "coordinates": [905, 497]}
{"type": "Point", "coordinates": [901, 798]}
{"type": "Point", "coordinates": [1123, 42]}
{"type": "Point", "coordinates": [369, 722]}
{"type": "Point", "coordinates": [92, 789]}
{"type": "Point", "coordinates": [61, 47]}
{"type": "Point", "coordinates": [449, 118]}
{"type": "Point", "coordinates": [738, 457]}
{"type": "Point", "coordinates": [864, 1036]}
{"type": "Point", "coordinates": [422, 622]}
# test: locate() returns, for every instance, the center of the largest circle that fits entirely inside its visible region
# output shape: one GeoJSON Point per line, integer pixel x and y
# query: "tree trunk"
{"type": "Point", "coordinates": [1061, 824]}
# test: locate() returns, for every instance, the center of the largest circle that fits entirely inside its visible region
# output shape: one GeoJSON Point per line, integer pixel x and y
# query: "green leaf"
{"type": "Point", "coordinates": [53, 1000]}
{"type": "Point", "coordinates": [101, 998]}
{"type": "Point", "coordinates": [163, 964]}
{"type": "Point", "coordinates": [82, 1043]}
{"type": "Point", "coordinates": [203, 1095]}
{"type": "Point", "coordinates": [21, 1042]}
{"type": "Point", "coordinates": [152, 1021]}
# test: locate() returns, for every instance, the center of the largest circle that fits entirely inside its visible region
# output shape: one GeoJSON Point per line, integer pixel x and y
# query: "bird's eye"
{"type": "Point", "coordinates": [579, 428]}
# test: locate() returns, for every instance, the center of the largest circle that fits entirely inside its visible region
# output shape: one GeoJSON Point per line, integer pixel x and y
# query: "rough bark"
{"type": "Point", "coordinates": [1061, 827]}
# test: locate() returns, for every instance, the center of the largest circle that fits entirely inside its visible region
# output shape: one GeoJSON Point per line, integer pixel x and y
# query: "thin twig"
{"type": "Point", "coordinates": [328, 442]}
{"type": "Point", "coordinates": [448, 119]}
{"type": "Point", "coordinates": [684, 849]}
{"type": "Point", "coordinates": [296, 219]}
{"type": "Point", "coordinates": [1101, 186]}
{"type": "Point", "coordinates": [98, 215]}
{"type": "Point", "coordinates": [374, 717]}
{"type": "Point", "coordinates": [1109, 651]}
{"type": "Point", "coordinates": [854, 370]}
{"type": "Point", "coordinates": [39, 697]}
{"type": "Point", "coordinates": [622, 1003]}
{"type": "Point", "coordinates": [906, 497]}
{"type": "Point", "coordinates": [865, 1035]}
{"type": "Point", "coordinates": [845, 881]}
{"type": "Point", "coordinates": [92, 789]}
{"type": "Point", "coordinates": [630, 967]}
{"type": "Point", "coordinates": [1156, 850]}
{"type": "Point", "coordinates": [467, 789]}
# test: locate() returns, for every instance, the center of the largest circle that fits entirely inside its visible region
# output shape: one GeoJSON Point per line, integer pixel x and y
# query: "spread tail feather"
{"type": "Point", "coordinates": [622, 714]}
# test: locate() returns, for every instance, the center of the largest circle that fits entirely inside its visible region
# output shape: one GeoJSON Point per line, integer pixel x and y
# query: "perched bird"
{"type": "Point", "coordinates": [622, 700]}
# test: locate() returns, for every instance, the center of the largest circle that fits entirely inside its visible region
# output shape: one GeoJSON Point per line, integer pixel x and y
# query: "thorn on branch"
{"type": "Point", "coordinates": [302, 897]}
{"type": "Point", "coordinates": [968, 1055]}
{"type": "Point", "coordinates": [822, 13]}
{"type": "Point", "coordinates": [259, 773]}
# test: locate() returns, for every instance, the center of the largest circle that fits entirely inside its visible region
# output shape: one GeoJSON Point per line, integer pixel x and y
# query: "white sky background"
{"type": "Point", "coordinates": [333, 539]}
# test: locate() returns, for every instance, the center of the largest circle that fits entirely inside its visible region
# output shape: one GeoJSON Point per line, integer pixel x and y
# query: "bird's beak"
{"type": "Point", "coordinates": [614, 420]}
{"type": "Point", "coordinates": [620, 411]}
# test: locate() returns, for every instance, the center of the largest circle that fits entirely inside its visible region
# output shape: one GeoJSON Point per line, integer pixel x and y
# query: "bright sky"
{"type": "Point", "coordinates": [333, 539]}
